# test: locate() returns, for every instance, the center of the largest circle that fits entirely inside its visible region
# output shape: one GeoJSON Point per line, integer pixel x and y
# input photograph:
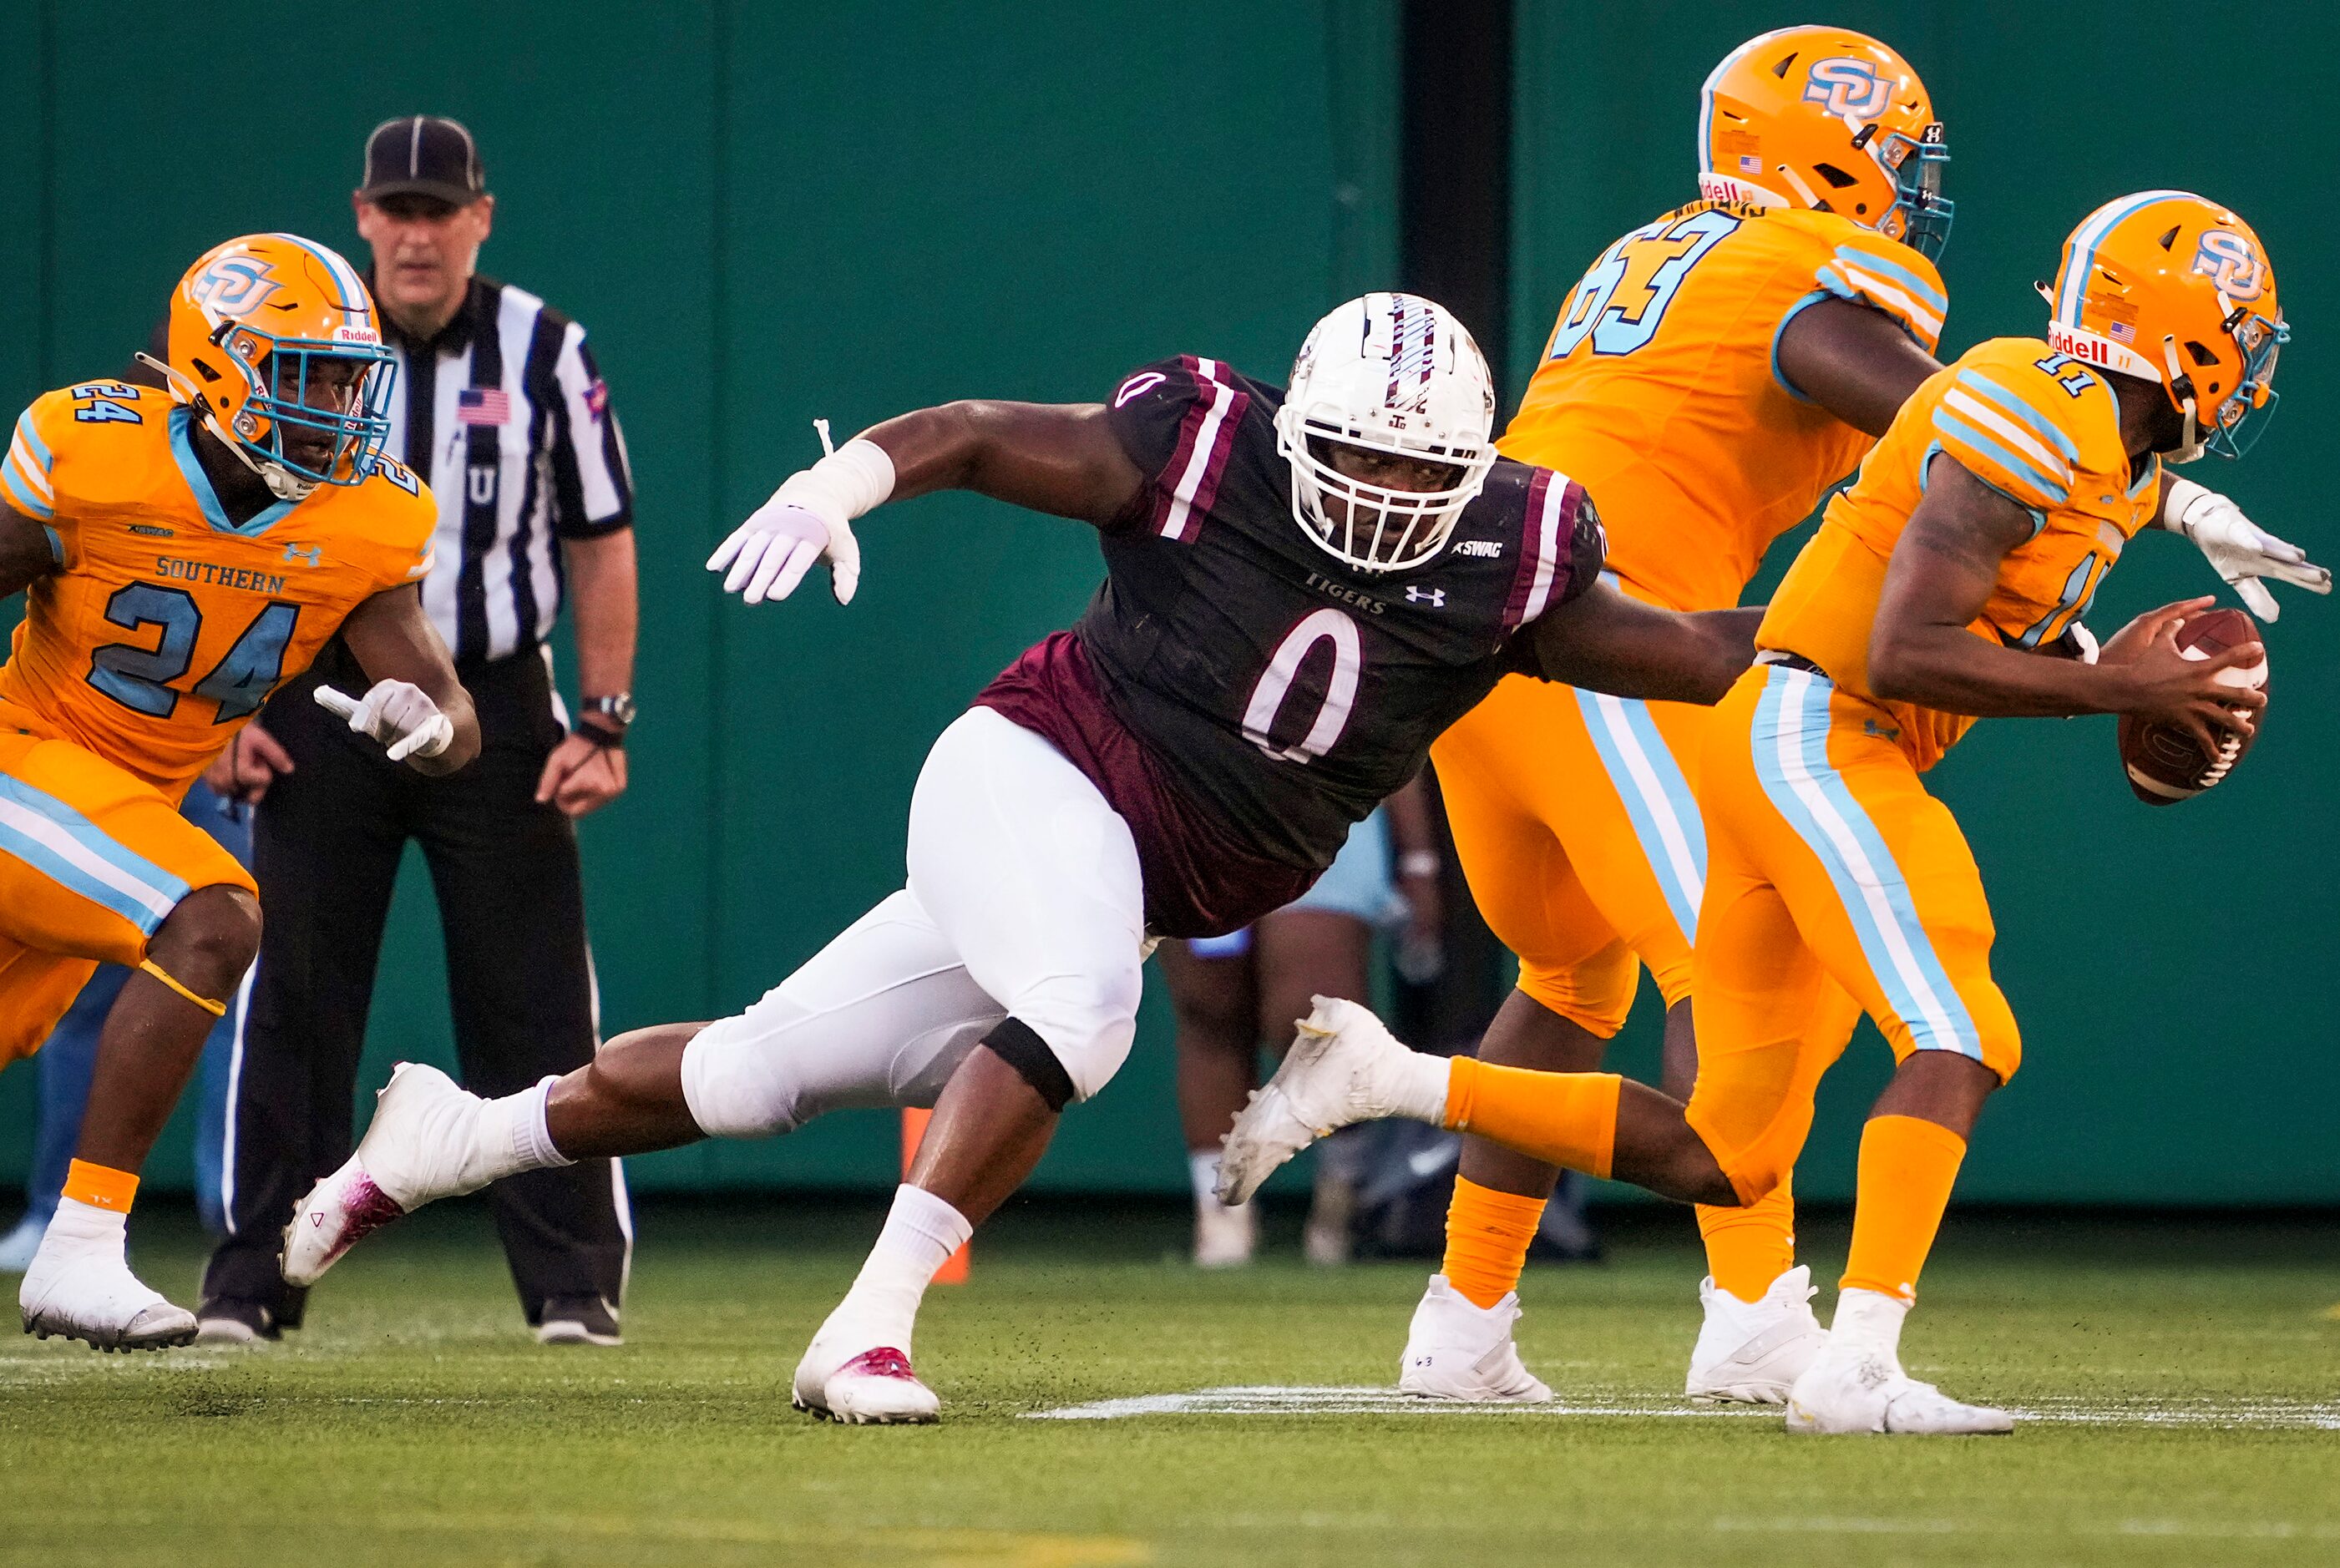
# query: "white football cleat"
{"type": "Point", "coordinates": [1343, 1068]}
{"type": "Point", "coordinates": [88, 1293]}
{"type": "Point", "coordinates": [1752, 1352]}
{"type": "Point", "coordinates": [1225, 1237]}
{"type": "Point", "coordinates": [1848, 1390]}
{"type": "Point", "coordinates": [873, 1387]}
{"type": "Point", "coordinates": [1458, 1350]}
{"type": "Point", "coordinates": [419, 1149]}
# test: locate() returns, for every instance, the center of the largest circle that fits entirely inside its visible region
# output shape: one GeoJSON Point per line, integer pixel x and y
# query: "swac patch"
{"type": "Point", "coordinates": [234, 285]}
{"type": "Point", "coordinates": [2231, 258]}
{"type": "Point", "coordinates": [1847, 86]}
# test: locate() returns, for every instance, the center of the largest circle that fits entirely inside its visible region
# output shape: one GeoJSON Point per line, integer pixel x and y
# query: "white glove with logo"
{"type": "Point", "coordinates": [809, 517]}
{"type": "Point", "coordinates": [398, 714]}
{"type": "Point", "coordinates": [2239, 550]}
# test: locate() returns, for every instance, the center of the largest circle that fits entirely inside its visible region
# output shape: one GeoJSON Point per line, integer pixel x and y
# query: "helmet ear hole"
{"type": "Point", "coordinates": [2202, 356]}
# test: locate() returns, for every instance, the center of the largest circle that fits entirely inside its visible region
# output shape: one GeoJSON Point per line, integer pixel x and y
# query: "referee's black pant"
{"type": "Point", "coordinates": [326, 845]}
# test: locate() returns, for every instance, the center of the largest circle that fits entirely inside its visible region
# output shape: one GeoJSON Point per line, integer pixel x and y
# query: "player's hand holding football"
{"type": "Point", "coordinates": [398, 714]}
{"type": "Point", "coordinates": [2162, 685]}
{"type": "Point", "coordinates": [2239, 550]}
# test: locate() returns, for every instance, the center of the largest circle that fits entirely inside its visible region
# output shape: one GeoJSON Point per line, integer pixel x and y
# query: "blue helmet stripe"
{"type": "Point", "coordinates": [1706, 94]}
{"type": "Point", "coordinates": [2091, 234]}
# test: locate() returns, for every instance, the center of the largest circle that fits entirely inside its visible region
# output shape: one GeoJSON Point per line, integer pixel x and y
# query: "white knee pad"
{"type": "Point", "coordinates": [881, 1016]}
{"type": "Point", "coordinates": [1088, 1021]}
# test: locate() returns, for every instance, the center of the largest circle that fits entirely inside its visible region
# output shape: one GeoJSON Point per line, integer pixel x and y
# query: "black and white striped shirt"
{"type": "Point", "coordinates": [504, 415]}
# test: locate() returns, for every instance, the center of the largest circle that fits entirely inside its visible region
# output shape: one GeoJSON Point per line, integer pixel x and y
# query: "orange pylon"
{"type": "Point", "coordinates": [914, 1127]}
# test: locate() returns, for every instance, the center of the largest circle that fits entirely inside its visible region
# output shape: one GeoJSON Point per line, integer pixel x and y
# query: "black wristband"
{"type": "Point", "coordinates": [600, 734]}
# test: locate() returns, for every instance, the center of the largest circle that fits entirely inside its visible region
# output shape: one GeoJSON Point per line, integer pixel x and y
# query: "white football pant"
{"type": "Point", "coordinates": [1024, 900]}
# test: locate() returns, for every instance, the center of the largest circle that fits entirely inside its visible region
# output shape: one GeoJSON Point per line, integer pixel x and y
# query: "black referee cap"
{"type": "Point", "coordinates": [423, 155]}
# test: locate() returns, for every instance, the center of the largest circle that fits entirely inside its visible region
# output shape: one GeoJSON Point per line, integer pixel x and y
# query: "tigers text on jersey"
{"type": "Point", "coordinates": [167, 625]}
{"type": "Point", "coordinates": [2039, 427]}
{"type": "Point", "coordinates": [1277, 686]}
{"type": "Point", "coordinates": [1660, 391]}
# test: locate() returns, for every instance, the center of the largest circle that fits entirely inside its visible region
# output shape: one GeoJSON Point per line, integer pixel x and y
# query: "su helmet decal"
{"type": "Point", "coordinates": [2174, 288]}
{"type": "Point", "coordinates": [274, 343]}
{"type": "Point", "coordinates": [1831, 120]}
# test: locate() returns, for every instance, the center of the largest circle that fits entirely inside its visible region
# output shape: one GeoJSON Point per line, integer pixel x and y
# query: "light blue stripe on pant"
{"type": "Point", "coordinates": [1657, 798]}
{"type": "Point", "coordinates": [1790, 747]}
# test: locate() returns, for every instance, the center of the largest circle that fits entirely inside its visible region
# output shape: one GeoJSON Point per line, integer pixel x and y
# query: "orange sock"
{"type": "Point", "coordinates": [1487, 1236]}
{"type": "Point", "coordinates": [1908, 1167]}
{"type": "Point", "coordinates": [1561, 1117]}
{"type": "Point", "coordinates": [1747, 1248]}
{"type": "Point", "coordinates": [101, 1186]}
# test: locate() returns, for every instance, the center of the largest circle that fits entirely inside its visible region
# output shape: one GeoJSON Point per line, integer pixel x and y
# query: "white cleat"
{"type": "Point", "coordinates": [1343, 1068]}
{"type": "Point", "coordinates": [1461, 1351]}
{"type": "Point", "coordinates": [1225, 1237]}
{"type": "Point", "coordinates": [874, 1387]}
{"type": "Point", "coordinates": [1752, 1352]}
{"type": "Point", "coordinates": [1864, 1391]}
{"type": "Point", "coordinates": [89, 1294]}
{"type": "Point", "coordinates": [416, 1150]}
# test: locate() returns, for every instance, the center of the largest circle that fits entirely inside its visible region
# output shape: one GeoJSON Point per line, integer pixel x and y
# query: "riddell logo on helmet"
{"type": "Point", "coordinates": [2085, 347]}
{"type": "Point", "coordinates": [365, 335]}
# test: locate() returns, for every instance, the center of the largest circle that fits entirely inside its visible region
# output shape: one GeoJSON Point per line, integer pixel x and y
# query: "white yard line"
{"type": "Point", "coordinates": [1271, 1399]}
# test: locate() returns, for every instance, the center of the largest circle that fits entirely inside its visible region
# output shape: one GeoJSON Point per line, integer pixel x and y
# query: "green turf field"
{"type": "Point", "coordinates": [2193, 1376]}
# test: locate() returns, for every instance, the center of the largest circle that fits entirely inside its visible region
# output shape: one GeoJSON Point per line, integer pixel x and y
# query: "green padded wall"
{"type": "Point", "coordinates": [763, 214]}
{"type": "Point", "coordinates": [2178, 1047]}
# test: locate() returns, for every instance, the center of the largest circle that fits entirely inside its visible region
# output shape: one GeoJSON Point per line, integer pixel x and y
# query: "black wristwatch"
{"type": "Point", "coordinates": [619, 708]}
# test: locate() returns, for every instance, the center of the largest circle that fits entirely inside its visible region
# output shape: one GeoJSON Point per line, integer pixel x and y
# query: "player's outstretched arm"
{"type": "Point", "coordinates": [1062, 459]}
{"type": "Point", "coordinates": [1857, 363]}
{"type": "Point", "coordinates": [1943, 570]}
{"type": "Point", "coordinates": [27, 555]}
{"type": "Point", "coordinates": [414, 684]}
{"type": "Point", "coordinates": [1605, 642]}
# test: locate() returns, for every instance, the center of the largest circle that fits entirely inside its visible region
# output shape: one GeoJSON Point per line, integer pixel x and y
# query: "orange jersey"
{"type": "Point", "coordinates": [2040, 428]}
{"type": "Point", "coordinates": [167, 626]}
{"type": "Point", "coordinates": [1660, 391]}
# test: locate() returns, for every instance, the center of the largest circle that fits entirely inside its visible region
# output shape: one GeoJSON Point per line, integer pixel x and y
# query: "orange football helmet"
{"type": "Point", "coordinates": [275, 340]}
{"type": "Point", "coordinates": [2168, 287]}
{"type": "Point", "coordinates": [1828, 119]}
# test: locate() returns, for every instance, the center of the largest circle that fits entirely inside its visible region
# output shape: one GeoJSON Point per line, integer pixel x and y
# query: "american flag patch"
{"type": "Point", "coordinates": [483, 405]}
{"type": "Point", "coordinates": [2120, 331]}
{"type": "Point", "coordinates": [597, 397]}
{"type": "Point", "coordinates": [1749, 164]}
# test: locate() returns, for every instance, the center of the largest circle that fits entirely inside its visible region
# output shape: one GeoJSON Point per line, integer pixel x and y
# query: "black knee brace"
{"type": "Point", "coordinates": [1015, 1043]}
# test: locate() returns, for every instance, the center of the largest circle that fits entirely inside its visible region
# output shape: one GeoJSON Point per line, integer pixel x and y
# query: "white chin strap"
{"type": "Point", "coordinates": [2190, 446]}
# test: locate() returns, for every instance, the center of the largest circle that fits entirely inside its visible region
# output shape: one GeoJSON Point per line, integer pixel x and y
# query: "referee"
{"type": "Point", "coordinates": [499, 408]}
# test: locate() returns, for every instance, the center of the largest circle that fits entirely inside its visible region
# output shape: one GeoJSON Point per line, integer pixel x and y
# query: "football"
{"type": "Point", "coordinates": [2164, 764]}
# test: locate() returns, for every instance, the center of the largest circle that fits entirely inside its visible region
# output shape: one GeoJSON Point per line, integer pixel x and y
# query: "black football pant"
{"type": "Point", "coordinates": [326, 845]}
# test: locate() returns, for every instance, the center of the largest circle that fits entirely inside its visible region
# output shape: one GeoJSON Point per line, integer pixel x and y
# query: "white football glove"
{"type": "Point", "coordinates": [2239, 550]}
{"type": "Point", "coordinates": [398, 714]}
{"type": "Point", "coordinates": [768, 556]}
{"type": "Point", "coordinates": [809, 517]}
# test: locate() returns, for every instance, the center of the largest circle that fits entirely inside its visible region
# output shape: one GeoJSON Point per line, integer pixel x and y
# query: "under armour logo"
{"type": "Point", "coordinates": [1435, 597]}
{"type": "Point", "coordinates": [314, 554]}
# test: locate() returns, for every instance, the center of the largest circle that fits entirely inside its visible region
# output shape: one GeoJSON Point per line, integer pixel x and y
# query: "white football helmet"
{"type": "Point", "coordinates": [1393, 373]}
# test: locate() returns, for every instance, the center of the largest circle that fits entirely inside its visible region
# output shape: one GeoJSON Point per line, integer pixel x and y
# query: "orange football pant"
{"type": "Point", "coordinates": [1829, 864]}
{"type": "Point", "coordinates": [91, 862]}
{"type": "Point", "coordinates": [1576, 819]}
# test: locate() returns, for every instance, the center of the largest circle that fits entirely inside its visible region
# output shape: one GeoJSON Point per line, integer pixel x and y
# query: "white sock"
{"type": "Point", "coordinates": [1203, 1167]}
{"type": "Point", "coordinates": [921, 1233]}
{"type": "Point", "coordinates": [1869, 1320]}
{"type": "Point", "coordinates": [80, 1227]}
{"type": "Point", "coordinates": [510, 1137]}
{"type": "Point", "coordinates": [1420, 1087]}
